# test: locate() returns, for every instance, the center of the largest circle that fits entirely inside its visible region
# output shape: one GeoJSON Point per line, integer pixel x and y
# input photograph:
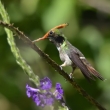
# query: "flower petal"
{"type": "Point", "coordinates": [45, 84]}
{"type": "Point", "coordinates": [49, 99]}
{"type": "Point", "coordinates": [31, 91]}
{"type": "Point", "coordinates": [59, 91]}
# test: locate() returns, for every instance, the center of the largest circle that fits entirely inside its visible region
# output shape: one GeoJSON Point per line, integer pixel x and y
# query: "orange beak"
{"type": "Point", "coordinates": [46, 35]}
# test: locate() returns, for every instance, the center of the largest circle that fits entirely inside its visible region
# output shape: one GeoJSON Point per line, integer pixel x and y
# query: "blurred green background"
{"type": "Point", "coordinates": [88, 30]}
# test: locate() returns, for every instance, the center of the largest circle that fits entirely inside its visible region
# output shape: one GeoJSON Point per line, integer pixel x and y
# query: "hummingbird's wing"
{"type": "Point", "coordinates": [92, 70]}
{"type": "Point", "coordinates": [80, 61]}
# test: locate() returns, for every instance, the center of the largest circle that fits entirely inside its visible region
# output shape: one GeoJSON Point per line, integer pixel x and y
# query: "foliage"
{"type": "Point", "coordinates": [88, 30]}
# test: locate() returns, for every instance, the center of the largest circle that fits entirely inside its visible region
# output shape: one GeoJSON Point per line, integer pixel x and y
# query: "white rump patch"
{"type": "Point", "coordinates": [82, 58]}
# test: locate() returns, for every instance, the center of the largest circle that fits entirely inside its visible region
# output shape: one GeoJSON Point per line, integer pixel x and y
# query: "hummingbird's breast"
{"type": "Point", "coordinates": [63, 56]}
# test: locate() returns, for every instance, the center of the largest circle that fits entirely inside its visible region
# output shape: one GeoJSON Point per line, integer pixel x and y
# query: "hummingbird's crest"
{"type": "Point", "coordinates": [53, 29]}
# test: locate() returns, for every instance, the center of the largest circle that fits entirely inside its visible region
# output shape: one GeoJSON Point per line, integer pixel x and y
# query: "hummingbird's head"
{"type": "Point", "coordinates": [56, 37]}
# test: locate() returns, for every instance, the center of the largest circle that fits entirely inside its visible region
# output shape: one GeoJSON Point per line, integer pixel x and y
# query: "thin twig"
{"type": "Point", "coordinates": [52, 63]}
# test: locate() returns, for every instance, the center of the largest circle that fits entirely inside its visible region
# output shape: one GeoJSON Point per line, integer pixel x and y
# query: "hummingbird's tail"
{"type": "Point", "coordinates": [94, 72]}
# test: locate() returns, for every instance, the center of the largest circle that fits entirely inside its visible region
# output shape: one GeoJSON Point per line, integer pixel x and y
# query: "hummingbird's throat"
{"type": "Point", "coordinates": [63, 44]}
{"type": "Point", "coordinates": [59, 39]}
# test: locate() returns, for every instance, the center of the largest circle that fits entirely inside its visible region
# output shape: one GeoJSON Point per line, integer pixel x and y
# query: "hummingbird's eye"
{"type": "Point", "coordinates": [51, 33]}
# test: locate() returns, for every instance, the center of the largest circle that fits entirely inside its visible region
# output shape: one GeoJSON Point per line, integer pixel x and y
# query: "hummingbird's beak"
{"type": "Point", "coordinates": [42, 38]}
{"type": "Point", "coordinates": [46, 35]}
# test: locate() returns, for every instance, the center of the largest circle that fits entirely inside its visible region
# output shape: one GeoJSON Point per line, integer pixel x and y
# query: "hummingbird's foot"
{"type": "Point", "coordinates": [61, 67]}
{"type": "Point", "coordinates": [71, 75]}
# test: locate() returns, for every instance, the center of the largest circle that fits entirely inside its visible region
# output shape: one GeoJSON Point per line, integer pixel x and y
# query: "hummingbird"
{"type": "Point", "coordinates": [70, 55]}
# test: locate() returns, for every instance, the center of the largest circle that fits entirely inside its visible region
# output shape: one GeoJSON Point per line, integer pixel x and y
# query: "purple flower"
{"type": "Point", "coordinates": [59, 91]}
{"type": "Point", "coordinates": [31, 91]}
{"type": "Point", "coordinates": [41, 97]}
{"type": "Point", "coordinates": [45, 84]}
{"type": "Point", "coordinates": [48, 98]}
{"type": "Point", "coordinates": [38, 99]}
